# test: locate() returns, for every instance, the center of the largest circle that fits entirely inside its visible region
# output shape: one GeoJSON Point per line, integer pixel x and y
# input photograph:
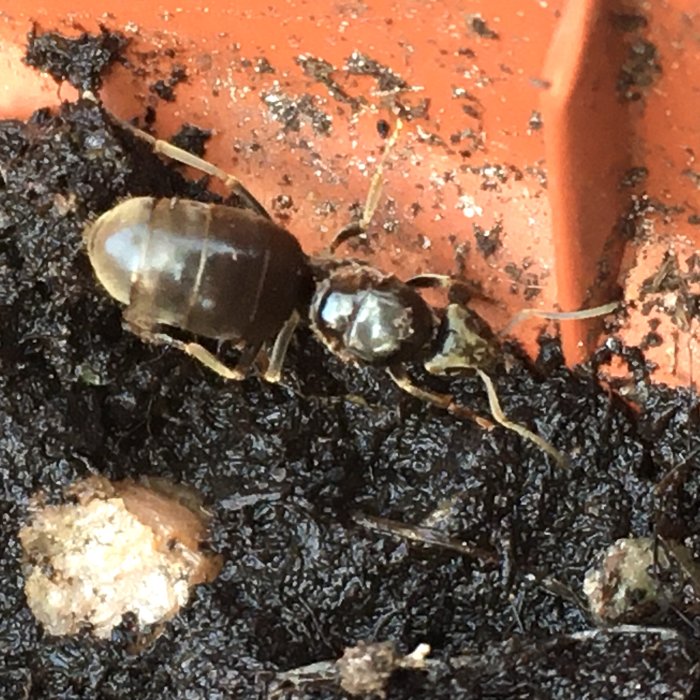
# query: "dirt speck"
{"type": "Point", "coordinates": [191, 138]}
{"type": "Point", "coordinates": [634, 176]}
{"type": "Point", "coordinates": [628, 21]}
{"type": "Point", "coordinates": [165, 88]}
{"type": "Point", "coordinates": [324, 72]}
{"type": "Point", "coordinates": [488, 240]}
{"type": "Point", "coordinates": [293, 111]}
{"type": "Point", "coordinates": [640, 70]}
{"type": "Point", "coordinates": [387, 80]}
{"type": "Point", "coordinates": [478, 25]}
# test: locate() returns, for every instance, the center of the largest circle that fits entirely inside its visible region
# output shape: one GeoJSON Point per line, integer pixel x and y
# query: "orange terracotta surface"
{"type": "Point", "coordinates": [469, 168]}
{"type": "Point", "coordinates": [620, 144]}
{"type": "Point", "coordinates": [664, 255]}
{"type": "Point", "coordinates": [587, 144]}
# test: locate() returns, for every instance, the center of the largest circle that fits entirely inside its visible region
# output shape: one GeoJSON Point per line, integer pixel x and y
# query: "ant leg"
{"type": "Point", "coordinates": [431, 280]}
{"type": "Point", "coordinates": [444, 401]}
{"type": "Point", "coordinates": [237, 373]}
{"type": "Point", "coordinates": [273, 373]}
{"type": "Point", "coordinates": [561, 315]}
{"type": "Point", "coordinates": [357, 228]}
{"type": "Point", "coordinates": [500, 418]}
{"type": "Point", "coordinates": [186, 158]}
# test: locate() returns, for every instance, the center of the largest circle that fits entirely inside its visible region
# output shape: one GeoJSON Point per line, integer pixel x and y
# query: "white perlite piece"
{"type": "Point", "coordinates": [637, 577]}
{"type": "Point", "coordinates": [91, 562]}
{"type": "Point", "coordinates": [365, 669]}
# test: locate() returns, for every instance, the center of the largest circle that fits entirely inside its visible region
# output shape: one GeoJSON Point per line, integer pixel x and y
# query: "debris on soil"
{"type": "Point", "coordinates": [81, 60]}
{"type": "Point", "coordinates": [121, 548]}
{"type": "Point", "coordinates": [638, 577]}
{"type": "Point", "coordinates": [639, 72]}
{"type": "Point", "coordinates": [628, 21]}
{"type": "Point", "coordinates": [292, 112]}
{"type": "Point", "coordinates": [488, 240]}
{"type": "Point", "coordinates": [634, 176]}
{"type": "Point", "coordinates": [323, 72]}
{"type": "Point", "coordinates": [387, 80]}
{"type": "Point", "coordinates": [263, 65]}
{"type": "Point", "coordinates": [642, 66]}
{"type": "Point", "coordinates": [477, 24]}
{"type": "Point", "coordinates": [165, 89]}
{"type": "Point", "coordinates": [424, 534]}
{"type": "Point", "coordinates": [640, 662]}
{"type": "Point", "coordinates": [191, 138]}
{"type": "Point", "coordinates": [535, 121]}
{"type": "Point", "coordinates": [363, 669]}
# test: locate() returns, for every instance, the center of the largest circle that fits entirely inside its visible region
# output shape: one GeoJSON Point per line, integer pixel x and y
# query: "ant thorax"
{"type": "Point", "coordinates": [366, 316]}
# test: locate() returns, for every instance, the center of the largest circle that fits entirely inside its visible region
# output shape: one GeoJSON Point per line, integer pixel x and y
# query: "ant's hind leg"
{"type": "Point", "coordinates": [444, 401]}
{"type": "Point", "coordinates": [186, 158]}
{"type": "Point", "coordinates": [199, 352]}
{"type": "Point", "coordinates": [357, 228]}
{"type": "Point", "coordinates": [237, 373]}
{"type": "Point", "coordinates": [273, 373]}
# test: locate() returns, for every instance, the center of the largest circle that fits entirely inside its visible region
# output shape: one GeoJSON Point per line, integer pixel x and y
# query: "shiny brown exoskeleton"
{"type": "Point", "coordinates": [212, 270]}
{"type": "Point", "coordinates": [232, 274]}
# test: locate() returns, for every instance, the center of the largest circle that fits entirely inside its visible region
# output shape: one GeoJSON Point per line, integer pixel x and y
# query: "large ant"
{"type": "Point", "coordinates": [233, 274]}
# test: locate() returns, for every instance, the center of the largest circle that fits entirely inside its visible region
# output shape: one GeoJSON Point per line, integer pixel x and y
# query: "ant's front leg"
{"type": "Point", "coordinates": [468, 345]}
{"type": "Point", "coordinates": [447, 402]}
{"type": "Point", "coordinates": [500, 417]}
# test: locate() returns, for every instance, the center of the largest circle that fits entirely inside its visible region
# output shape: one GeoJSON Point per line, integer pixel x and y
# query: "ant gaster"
{"type": "Point", "coordinates": [232, 274]}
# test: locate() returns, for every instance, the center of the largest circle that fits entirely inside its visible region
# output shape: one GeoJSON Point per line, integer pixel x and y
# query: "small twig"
{"type": "Point", "coordinates": [422, 535]}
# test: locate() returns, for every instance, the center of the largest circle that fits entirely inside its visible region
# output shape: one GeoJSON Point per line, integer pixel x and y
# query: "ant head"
{"type": "Point", "coordinates": [365, 316]}
{"type": "Point", "coordinates": [465, 341]}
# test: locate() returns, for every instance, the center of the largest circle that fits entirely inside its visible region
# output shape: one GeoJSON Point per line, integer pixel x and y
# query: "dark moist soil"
{"type": "Point", "coordinates": [284, 470]}
{"type": "Point", "coordinates": [81, 60]}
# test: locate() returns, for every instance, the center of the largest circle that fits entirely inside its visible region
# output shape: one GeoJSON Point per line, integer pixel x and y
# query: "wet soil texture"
{"type": "Point", "coordinates": [287, 469]}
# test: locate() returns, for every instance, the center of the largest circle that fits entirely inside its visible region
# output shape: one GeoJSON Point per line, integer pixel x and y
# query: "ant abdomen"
{"type": "Point", "coordinates": [209, 269]}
